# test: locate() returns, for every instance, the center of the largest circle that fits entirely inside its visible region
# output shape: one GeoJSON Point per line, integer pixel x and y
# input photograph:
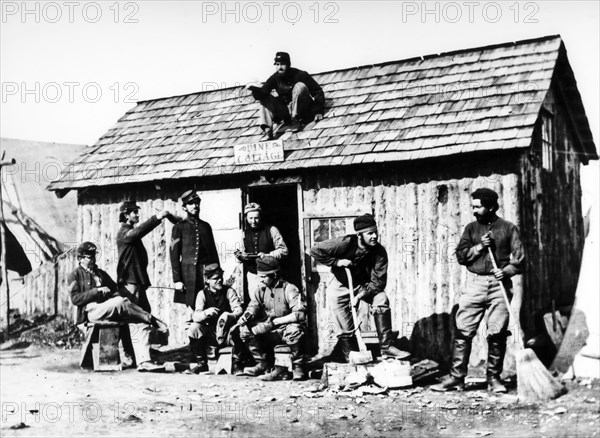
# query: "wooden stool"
{"type": "Point", "coordinates": [100, 350]}
{"type": "Point", "coordinates": [283, 356]}
{"type": "Point", "coordinates": [224, 363]}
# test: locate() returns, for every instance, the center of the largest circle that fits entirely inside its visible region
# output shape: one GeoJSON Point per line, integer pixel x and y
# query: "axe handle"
{"type": "Point", "coordinates": [361, 343]}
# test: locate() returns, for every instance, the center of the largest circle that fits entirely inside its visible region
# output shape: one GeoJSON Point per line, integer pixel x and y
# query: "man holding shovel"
{"type": "Point", "coordinates": [484, 289]}
{"type": "Point", "coordinates": [367, 261]}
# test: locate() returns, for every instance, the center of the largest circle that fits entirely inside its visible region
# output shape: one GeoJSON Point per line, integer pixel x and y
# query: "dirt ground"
{"type": "Point", "coordinates": [43, 388]}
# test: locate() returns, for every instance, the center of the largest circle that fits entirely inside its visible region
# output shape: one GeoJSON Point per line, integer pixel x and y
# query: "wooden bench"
{"type": "Point", "coordinates": [224, 362]}
{"type": "Point", "coordinates": [100, 350]}
{"type": "Point", "coordinates": [282, 358]}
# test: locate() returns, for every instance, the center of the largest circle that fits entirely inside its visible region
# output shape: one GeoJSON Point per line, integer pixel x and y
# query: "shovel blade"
{"type": "Point", "coordinates": [360, 357]}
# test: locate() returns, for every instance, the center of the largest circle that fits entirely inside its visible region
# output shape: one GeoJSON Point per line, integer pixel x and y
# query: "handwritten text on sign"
{"type": "Point", "coordinates": [261, 152]}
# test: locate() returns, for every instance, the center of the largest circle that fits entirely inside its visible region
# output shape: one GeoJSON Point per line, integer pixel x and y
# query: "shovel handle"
{"type": "Point", "coordinates": [361, 343]}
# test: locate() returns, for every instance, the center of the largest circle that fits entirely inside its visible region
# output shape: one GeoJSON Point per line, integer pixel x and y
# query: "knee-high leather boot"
{"type": "Point", "coordinates": [461, 352]}
{"type": "Point", "coordinates": [460, 357]}
{"type": "Point", "coordinates": [383, 324]}
{"type": "Point", "coordinates": [297, 356]}
{"type": "Point", "coordinates": [496, 352]}
{"type": "Point", "coordinates": [198, 362]}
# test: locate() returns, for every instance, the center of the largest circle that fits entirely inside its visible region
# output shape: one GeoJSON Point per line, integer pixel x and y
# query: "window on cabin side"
{"type": "Point", "coordinates": [547, 141]}
{"type": "Point", "coordinates": [328, 228]}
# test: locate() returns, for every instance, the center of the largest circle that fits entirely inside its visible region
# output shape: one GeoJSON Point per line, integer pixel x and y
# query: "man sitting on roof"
{"type": "Point", "coordinates": [97, 299]}
{"type": "Point", "coordinates": [300, 99]}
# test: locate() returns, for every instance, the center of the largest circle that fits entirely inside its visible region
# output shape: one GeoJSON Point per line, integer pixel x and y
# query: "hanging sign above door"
{"type": "Point", "coordinates": [261, 152]}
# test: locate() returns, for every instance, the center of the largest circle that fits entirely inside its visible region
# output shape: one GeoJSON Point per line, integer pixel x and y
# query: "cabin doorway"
{"type": "Point", "coordinates": [279, 205]}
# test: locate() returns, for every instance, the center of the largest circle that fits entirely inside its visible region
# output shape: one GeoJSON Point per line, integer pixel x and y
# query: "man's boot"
{"type": "Point", "coordinates": [278, 373]}
{"type": "Point", "coordinates": [496, 352]}
{"type": "Point", "coordinates": [383, 324]}
{"type": "Point", "coordinates": [198, 362]}
{"type": "Point", "coordinates": [297, 356]}
{"type": "Point", "coordinates": [335, 355]}
{"type": "Point", "coordinates": [260, 357]}
{"type": "Point", "coordinates": [458, 370]}
{"type": "Point", "coordinates": [236, 361]}
{"type": "Point", "coordinates": [347, 344]}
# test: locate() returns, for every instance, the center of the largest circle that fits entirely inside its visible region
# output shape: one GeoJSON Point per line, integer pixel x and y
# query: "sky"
{"type": "Point", "coordinates": [70, 69]}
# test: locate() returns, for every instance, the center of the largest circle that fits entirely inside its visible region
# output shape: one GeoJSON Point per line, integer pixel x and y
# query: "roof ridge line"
{"type": "Point", "coordinates": [380, 64]}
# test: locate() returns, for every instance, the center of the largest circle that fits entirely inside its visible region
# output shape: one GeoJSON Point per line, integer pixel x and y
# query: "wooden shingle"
{"type": "Point", "coordinates": [459, 102]}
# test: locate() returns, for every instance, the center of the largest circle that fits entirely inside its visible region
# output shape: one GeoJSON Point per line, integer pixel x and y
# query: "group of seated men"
{"type": "Point", "coordinates": [275, 315]}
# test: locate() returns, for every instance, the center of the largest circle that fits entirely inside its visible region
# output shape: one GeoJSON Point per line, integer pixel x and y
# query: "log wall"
{"type": "Point", "coordinates": [552, 220]}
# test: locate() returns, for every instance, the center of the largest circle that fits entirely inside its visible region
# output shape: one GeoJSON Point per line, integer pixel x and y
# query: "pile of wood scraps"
{"type": "Point", "coordinates": [377, 377]}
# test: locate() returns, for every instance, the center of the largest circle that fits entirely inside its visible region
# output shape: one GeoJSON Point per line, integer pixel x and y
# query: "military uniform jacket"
{"type": "Point", "coordinates": [226, 300]}
{"type": "Point", "coordinates": [133, 258]}
{"type": "Point", "coordinates": [192, 246]}
{"type": "Point", "coordinates": [282, 299]}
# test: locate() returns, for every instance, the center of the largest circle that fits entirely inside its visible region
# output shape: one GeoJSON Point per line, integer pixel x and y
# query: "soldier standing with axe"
{"type": "Point", "coordinates": [484, 289]}
{"type": "Point", "coordinates": [367, 261]}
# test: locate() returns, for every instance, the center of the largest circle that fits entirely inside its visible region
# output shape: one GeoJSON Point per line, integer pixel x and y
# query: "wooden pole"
{"type": "Point", "coordinates": [4, 274]}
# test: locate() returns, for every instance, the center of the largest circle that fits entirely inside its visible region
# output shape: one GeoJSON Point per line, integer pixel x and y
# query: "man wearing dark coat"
{"type": "Point", "coordinates": [132, 266]}
{"type": "Point", "coordinates": [192, 247]}
{"type": "Point", "coordinates": [300, 99]}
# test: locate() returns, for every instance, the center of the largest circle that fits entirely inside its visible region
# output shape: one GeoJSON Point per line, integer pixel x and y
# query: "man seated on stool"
{"type": "Point", "coordinates": [97, 299]}
{"type": "Point", "coordinates": [275, 315]}
{"type": "Point", "coordinates": [217, 308]}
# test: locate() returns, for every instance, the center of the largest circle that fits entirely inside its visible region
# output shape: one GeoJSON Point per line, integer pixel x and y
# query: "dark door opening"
{"type": "Point", "coordinates": [280, 208]}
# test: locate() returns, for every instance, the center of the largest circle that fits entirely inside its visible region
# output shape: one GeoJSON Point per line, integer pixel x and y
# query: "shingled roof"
{"type": "Point", "coordinates": [480, 99]}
